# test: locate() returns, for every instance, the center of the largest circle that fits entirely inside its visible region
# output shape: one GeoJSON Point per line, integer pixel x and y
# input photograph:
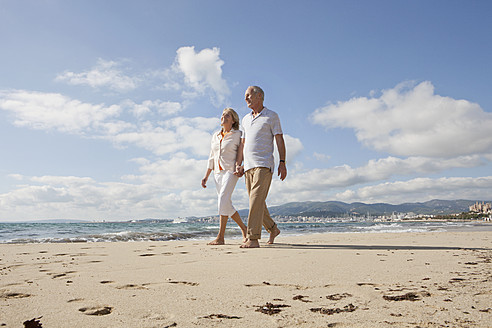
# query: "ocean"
{"type": "Point", "coordinates": [22, 233]}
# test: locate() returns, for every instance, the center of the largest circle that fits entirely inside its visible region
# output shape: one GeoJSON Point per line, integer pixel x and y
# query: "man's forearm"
{"type": "Point", "coordinates": [279, 139]}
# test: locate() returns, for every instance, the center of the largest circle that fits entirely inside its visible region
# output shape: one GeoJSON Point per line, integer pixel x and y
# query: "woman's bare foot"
{"type": "Point", "coordinates": [273, 234]}
{"type": "Point", "coordinates": [217, 241]}
{"type": "Point", "coordinates": [251, 243]}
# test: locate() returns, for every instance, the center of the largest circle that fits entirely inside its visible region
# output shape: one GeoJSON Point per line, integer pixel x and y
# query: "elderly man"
{"type": "Point", "coordinates": [261, 127]}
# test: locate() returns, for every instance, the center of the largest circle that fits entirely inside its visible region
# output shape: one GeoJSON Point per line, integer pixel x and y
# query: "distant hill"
{"type": "Point", "coordinates": [336, 209]}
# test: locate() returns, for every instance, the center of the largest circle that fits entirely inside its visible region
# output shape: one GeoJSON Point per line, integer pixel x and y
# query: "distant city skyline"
{"type": "Point", "coordinates": [107, 107]}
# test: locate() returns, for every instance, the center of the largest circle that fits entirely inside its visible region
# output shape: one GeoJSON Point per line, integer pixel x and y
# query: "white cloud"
{"type": "Point", "coordinates": [164, 189]}
{"type": "Point", "coordinates": [293, 149]}
{"type": "Point", "coordinates": [176, 173]}
{"type": "Point", "coordinates": [174, 135]}
{"type": "Point", "coordinates": [162, 108]}
{"type": "Point", "coordinates": [202, 72]}
{"type": "Point", "coordinates": [45, 111]}
{"type": "Point", "coordinates": [73, 197]}
{"type": "Point", "coordinates": [104, 74]}
{"type": "Point", "coordinates": [411, 120]}
{"type": "Point", "coordinates": [321, 157]}
{"type": "Point", "coordinates": [422, 189]}
{"type": "Point", "coordinates": [321, 184]}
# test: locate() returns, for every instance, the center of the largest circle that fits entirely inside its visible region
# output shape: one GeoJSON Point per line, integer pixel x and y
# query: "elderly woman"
{"type": "Point", "coordinates": [225, 153]}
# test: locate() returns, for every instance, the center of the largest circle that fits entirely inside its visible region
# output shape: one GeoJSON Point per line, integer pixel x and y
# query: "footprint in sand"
{"type": "Point", "coordinates": [266, 283]}
{"type": "Point", "coordinates": [132, 286]}
{"type": "Point", "coordinates": [8, 295]}
{"type": "Point", "coordinates": [97, 310]}
{"type": "Point", "coordinates": [183, 283]}
{"type": "Point", "coordinates": [60, 275]}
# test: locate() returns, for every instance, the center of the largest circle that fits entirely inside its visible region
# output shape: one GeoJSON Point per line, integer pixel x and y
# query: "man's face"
{"type": "Point", "coordinates": [253, 100]}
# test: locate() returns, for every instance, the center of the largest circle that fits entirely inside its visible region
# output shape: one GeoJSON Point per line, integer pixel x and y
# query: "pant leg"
{"type": "Point", "coordinates": [228, 184]}
{"type": "Point", "coordinates": [258, 182]}
{"type": "Point", "coordinates": [268, 222]}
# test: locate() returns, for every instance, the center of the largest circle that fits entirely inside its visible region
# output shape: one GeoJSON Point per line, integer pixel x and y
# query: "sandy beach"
{"type": "Point", "coordinates": [438, 279]}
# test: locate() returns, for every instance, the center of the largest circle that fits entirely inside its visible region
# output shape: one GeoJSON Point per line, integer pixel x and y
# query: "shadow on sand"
{"type": "Point", "coordinates": [374, 247]}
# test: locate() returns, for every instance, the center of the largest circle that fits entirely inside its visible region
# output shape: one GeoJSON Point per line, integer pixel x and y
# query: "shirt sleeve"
{"type": "Point", "coordinates": [210, 164]}
{"type": "Point", "coordinates": [276, 127]}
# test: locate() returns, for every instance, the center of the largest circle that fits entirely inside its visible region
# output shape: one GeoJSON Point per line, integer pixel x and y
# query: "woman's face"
{"type": "Point", "coordinates": [226, 119]}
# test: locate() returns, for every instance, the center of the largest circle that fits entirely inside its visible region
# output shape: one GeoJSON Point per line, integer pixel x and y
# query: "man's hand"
{"type": "Point", "coordinates": [282, 170]}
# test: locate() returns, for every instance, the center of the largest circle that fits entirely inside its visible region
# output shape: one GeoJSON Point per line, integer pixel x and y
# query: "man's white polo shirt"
{"type": "Point", "coordinates": [258, 135]}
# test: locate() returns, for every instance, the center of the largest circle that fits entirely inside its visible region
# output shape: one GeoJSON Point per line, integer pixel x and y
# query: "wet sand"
{"type": "Point", "coordinates": [441, 279]}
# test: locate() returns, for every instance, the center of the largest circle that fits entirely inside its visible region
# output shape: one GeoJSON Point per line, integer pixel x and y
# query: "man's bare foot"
{"type": "Point", "coordinates": [273, 234]}
{"type": "Point", "coordinates": [217, 242]}
{"type": "Point", "coordinates": [251, 243]}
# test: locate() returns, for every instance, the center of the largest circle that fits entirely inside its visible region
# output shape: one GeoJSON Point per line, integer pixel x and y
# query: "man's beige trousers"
{"type": "Point", "coordinates": [258, 182]}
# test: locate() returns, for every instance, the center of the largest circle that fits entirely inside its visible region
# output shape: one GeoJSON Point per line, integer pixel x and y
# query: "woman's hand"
{"type": "Point", "coordinates": [204, 180]}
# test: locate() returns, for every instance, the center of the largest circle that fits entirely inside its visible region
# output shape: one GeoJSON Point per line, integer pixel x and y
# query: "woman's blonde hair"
{"type": "Point", "coordinates": [235, 117]}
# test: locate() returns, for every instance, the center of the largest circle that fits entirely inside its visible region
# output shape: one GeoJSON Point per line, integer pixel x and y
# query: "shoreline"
{"type": "Point", "coordinates": [129, 232]}
{"type": "Point", "coordinates": [427, 279]}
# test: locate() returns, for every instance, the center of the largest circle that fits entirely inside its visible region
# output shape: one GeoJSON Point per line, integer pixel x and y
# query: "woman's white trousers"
{"type": "Point", "coordinates": [225, 182]}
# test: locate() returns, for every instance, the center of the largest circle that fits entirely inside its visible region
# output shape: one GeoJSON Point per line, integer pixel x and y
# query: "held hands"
{"type": "Point", "coordinates": [239, 172]}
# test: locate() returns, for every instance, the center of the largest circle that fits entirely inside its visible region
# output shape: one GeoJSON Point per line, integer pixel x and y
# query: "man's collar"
{"type": "Point", "coordinates": [262, 110]}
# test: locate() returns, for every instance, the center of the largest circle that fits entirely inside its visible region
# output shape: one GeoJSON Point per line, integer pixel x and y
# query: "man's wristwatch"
{"type": "Point", "coordinates": [282, 161]}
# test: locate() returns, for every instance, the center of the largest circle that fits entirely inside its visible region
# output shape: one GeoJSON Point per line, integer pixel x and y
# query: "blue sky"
{"type": "Point", "coordinates": [107, 107]}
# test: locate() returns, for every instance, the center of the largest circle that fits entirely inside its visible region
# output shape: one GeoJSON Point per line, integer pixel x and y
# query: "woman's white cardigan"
{"type": "Point", "coordinates": [225, 152]}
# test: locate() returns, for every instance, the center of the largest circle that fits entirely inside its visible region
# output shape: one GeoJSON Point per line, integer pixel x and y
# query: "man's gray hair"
{"type": "Point", "coordinates": [258, 90]}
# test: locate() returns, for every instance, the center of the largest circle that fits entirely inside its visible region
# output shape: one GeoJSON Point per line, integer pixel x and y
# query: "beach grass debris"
{"type": "Point", "coordinates": [33, 323]}
{"type": "Point", "coordinates": [270, 308]}
{"type": "Point", "coordinates": [410, 296]}
{"type": "Point", "coordinates": [330, 311]}
{"type": "Point", "coordinates": [220, 316]}
{"type": "Point", "coordinates": [97, 311]}
{"type": "Point", "coordinates": [301, 298]}
{"type": "Point", "coordinates": [337, 297]}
